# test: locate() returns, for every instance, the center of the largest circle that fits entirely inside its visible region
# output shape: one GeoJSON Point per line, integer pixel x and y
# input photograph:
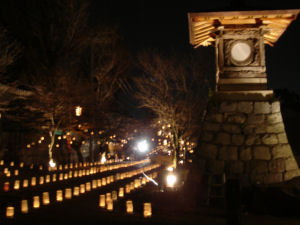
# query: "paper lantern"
{"type": "Point", "coordinates": [76, 191]}
{"type": "Point", "coordinates": [102, 201]}
{"type": "Point", "coordinates": [94, 184]}
{"type": "Point", "coordinates": [109, 205]}
{"type": "Point", "coordinates": [12, 163]}
{"type": "Point", "coordinates": [99, 182]}
{"type": "Point", "coordinates": [61, 176]}
{"type": "Point", "coordinates": [103, 181]}
{"type": "Point", "coordinates": [68, 193]}
{"type": "Point", "coordinates": [88, 186]}
{"type": "Point", "coordinates": [108, 195]}
{"type": "Point", "coordinates": [36, 202]}
{"type": "Point", "coordinates": [127, 188]}
{"type": "Point", "coordinates": [82, 188]}
{"type": "Point", "coordinates": [10, 212]}
{"type": "Point", "coordinates": [2, 162]}
{"type": "Point", "coordinates": [16, 172]}
{"type": "Point", "coordinates": [6, 186]}
{"type": "Point", "coordinates": [70, 174]}
{"type": "Point", "coordinates": [66, 176]}
{"type": "Point", "coordinates": [33, 181]}
{"type": "Point", "coordinates": [75, 173]}
{"type": "Point", "coordinates": [129, 206]}
{"type": "Point", "coordinates": [40, 167]}
{"type": "Point", "coordinates": [45, 198]}
{"type": "Point", "coordinates": [59, 195]}
{"type": "Point", "coordinates": [24, 206]}
{"type": "Point", "coordinates": [54, 177]}
{"type": "Point", "coordinates": [147, 210]}
{"type": "Point", "coordinates": [114, 195]}
{"type": "Point", "coordinates": [8, 173]}
{"type": "Point", "coordinates": [48, 178]}
{"type": "Point", "coordinates": [25, 183]}
{"type": "Point", "coordinates": [108, 179]}
{"type": "Point", "coordinates": [41, 180]}
{"type": "Point", "coordinates": [17, 185]}
{"type": "Point", "coordinates": [121, 192]}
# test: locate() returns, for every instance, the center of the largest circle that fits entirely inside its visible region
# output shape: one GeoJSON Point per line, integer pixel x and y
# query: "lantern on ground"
{"type": "Point", "coordinates": [129, 206]}
{"type": "Point", "coordinates": [68, 193]}
{"type": "Point", "coordinates": [102, 201]}
{"type": "Point", "coordinates": [24, 206]}
{"type": "Point", "coordinates": [147, 210]}
{"type": "Point", "coordinates": [59, 195]}
{"type": "Point", "coordinates": [10, 211]}
{"type": "Point", "coordinates": [45, 198]}
{"type": "Point", "coordinates": [36, 202]}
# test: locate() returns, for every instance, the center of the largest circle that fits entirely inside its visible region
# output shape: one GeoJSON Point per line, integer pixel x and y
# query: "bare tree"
{"type": "Point", "coordinates": [176, 90]}
{"type": "Point", "coordinates": [69, 64]}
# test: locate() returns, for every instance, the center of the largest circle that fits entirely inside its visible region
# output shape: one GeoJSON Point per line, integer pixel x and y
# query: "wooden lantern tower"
{"type": "Point", "coordinates": [244, 135]}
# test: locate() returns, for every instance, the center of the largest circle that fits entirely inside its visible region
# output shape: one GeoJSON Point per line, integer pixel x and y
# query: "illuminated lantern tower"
{"type": "Point", "coordinates": [243, 133]}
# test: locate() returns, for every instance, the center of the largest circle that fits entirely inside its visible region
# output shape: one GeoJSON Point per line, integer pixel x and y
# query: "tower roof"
{"type": "Point", "coordinates": [202, 26]}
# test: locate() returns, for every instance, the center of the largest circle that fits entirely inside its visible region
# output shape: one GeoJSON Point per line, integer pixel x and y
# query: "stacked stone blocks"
{"type": "Point", "coordinates": [247, 139]}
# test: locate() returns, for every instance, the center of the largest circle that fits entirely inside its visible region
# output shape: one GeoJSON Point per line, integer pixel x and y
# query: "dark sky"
{"type": "Point", "coordinates": [163, 24]}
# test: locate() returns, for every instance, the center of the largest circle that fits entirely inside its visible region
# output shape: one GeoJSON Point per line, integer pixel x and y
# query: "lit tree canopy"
{"type": "Point", "coordinates": [176, 89]}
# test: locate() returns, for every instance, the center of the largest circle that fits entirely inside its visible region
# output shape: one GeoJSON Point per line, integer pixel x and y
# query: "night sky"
{"type": "Point", "coordinates": [163, 24]}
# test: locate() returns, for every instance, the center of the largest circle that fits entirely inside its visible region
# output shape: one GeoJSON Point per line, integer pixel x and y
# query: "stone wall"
{"type": "Point", "coordinates": [247, 140]}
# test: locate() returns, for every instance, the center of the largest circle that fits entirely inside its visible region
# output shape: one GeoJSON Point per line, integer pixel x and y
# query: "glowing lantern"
{"type": "Point", "coordinates": [82, 188]}
{"type": "Point", "coordinates": [47, 178]}
{"type": "Point", "coordinates": [59, 195]}
{"type": "Point", "coordinates": [88, 186]}
{"type": "Point", "coordinates": [102, 201]}
{"type": "Point", "coordinates": [2, 162]}
{"type": "Point", "coordinates": [114, 195]}
{"type": "Point", "coordinates": [94, 184]}
{"type": "Point", "coordinates": [68, 193]}
{"type": "Point", "coordinates": [36, 202]}
{"type": "Point", "coordinates": [147, 210]}
{"type": "Point", "coordinates": [129, 206]}
{"type": "Point", "coordinates": [45, 198]}
{"type": "Point", "coordinates": [16, 172]}
{"type": "Point", "coordinates": [109, 204]}
{"type": "Point", "coordinates": [66, 176]}
{"type": "Point", "coordinates": [8, 173]}
{"type": "Point", "coordinates": [75, 173]}
{"type": "Point", "coordinates": [108, 195]}
{"type": "Point", "coordinates": [33, 181]}
{"type": "Point", "coordinates": [127, 188]}
{"type": "Point", "coordinates": [121, 192]}
{"type": "Point", "coordinates": [24, 206]}
{"type": "Point", "coordinates": [41, 180]}
{"type": "Point", "coordinates": [6, 186]}
{"type": "Point", "coordinates": [12, 163]}
{"type": "Point", "coordinates": [10, 211]}
{"type": "Point", "coordinates": [76, 191]}
{"type": "Point", "coordinates": [103, 181]}
{"type": "Point", "coordinates": [25, 183]}
{"type": "Point", "coordinates": [70, 174]}
{"type": "Point", "coordinates": [53, 177]}
{"type": "Point", "coordinates": [99, 182]}
{"type": "Point", "coordinates": [41, 167]}
{"type": "Point", "coordinates": [17, 185]}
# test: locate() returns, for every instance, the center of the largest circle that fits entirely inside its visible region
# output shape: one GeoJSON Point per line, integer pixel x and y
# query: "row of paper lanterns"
{"type": "Point", "coordinates": [106, 200]}
{"type": "Point", "coordinates": [82, 188]}
{"type": "Point", "coordinates": [69, 175]}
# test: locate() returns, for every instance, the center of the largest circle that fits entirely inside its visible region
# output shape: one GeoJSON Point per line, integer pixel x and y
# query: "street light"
{"type": "Point", "coordinates": [142, 146]}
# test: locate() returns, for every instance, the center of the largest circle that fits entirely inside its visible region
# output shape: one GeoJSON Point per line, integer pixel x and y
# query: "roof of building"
{"type": "Point", "coordinates": [202, 26]}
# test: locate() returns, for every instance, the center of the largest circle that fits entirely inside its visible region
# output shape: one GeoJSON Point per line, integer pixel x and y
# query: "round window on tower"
{"type": "Point", "coordinates": [241, 53]}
